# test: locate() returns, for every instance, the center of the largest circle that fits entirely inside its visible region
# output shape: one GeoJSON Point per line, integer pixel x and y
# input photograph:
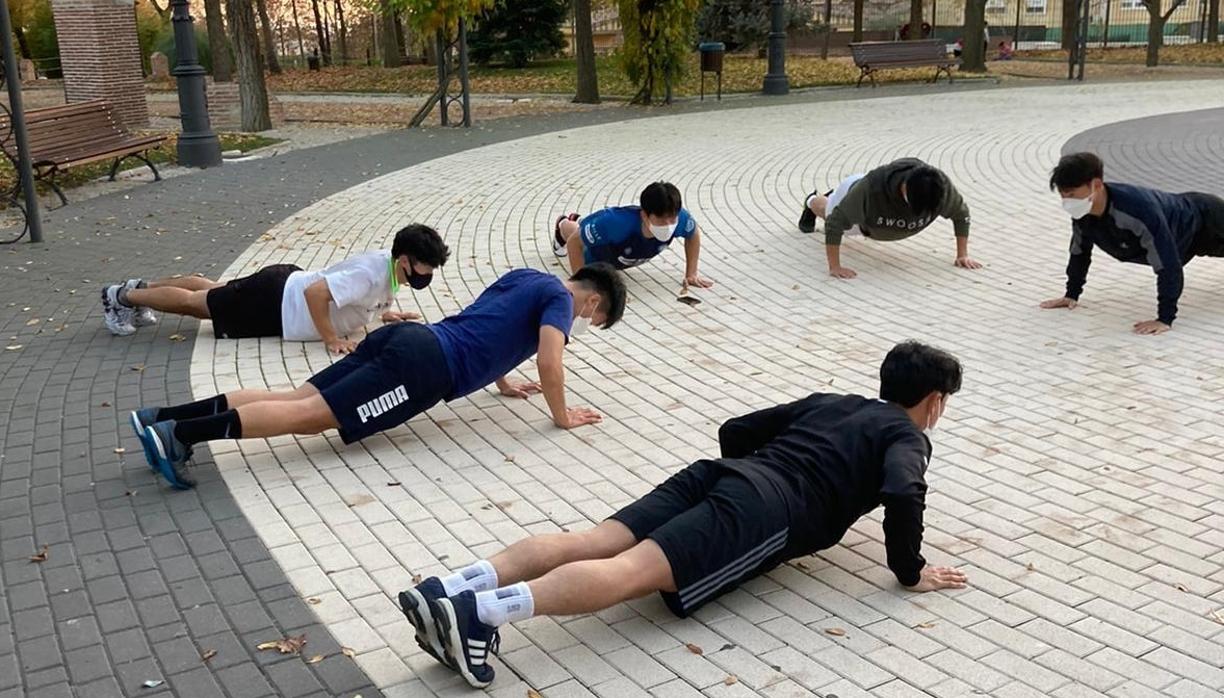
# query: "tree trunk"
{"type": "Point", "coordinates": [320, 33]}
{"type": "Point", "coordinates": [329, 33]}
{"type": "Point", "coordinates": [858, 20]}
{"type": "Point", "coordinates": [22, 44]}
{"type": "Point", "coordinates": [1155, 33]}
{"type": "Point", "coordinates": [1070, 24]}
{"type": "Point", "coordinates": [252, 91]}
{"type": "Point", "coordinates": [390, 46]}
{"type": "Point", "coordinates": [401, 37]}
{"type": "Point", "coordinates": [915, 20]}
{"type": "Point", "coordinates": [1213, 21]}
{"type": "Point", "coordinates": [973, 53]}
{"type": "Point", "coordinates": [222, 66]}
{"type": "Point", "coordinates": [298, 26]}
{"type": "Point", "coordinates": [343, 31]}
{"type": "Point", "coordinates": [584, 53]}
{"type": "Point", "coordinates": [269, 44]}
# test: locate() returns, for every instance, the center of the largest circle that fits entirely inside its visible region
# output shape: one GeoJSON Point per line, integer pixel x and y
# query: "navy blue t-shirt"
{"type": "Point", "coordinates": [614, 235]}
{"type": "Point", "coordinates": [501, 329]}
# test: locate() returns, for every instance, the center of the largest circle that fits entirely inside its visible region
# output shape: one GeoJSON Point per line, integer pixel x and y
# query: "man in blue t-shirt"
{"type": "Point", "coordinates": [1137, 225]}
{"type": "Point", "coordinates": [626, 236]}
{"type": "Point", "coordinates": [401, 370]}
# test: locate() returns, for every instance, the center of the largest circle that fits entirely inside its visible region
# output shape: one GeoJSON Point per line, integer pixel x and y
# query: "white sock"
{"type": "Point", "coordinates": [808, 201]}
{"type": "Point", "coordinates": [505, 605]}
{"type": "Point", "coordinates": [478, 576]}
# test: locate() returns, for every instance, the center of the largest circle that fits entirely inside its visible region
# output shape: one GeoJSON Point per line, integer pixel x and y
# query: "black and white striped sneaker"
{"type": "Point", "coordinates": [466, 641]}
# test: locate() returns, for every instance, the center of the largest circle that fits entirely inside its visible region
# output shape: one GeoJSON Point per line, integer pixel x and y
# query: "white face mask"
{"type": "Point", "coordinates": [1077, 208]}
{"type": "Point", "coordinates": [930, 428]}
{"type": "Point", "coordinates": [581, 324]}
{"type": "Point", "coordinates": [662, 233]}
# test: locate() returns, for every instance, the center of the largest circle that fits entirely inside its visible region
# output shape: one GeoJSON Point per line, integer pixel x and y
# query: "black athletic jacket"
{"type": "Point", "coordinates": [834, 458]}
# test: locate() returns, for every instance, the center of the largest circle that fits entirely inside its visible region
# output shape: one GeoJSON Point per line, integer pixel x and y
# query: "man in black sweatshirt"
{"type": "Point", "coordinates": [792, 480]}
{"type": "Point", "coordinates": [1137, 225]}
{"type": "Point", "coordinates": [891, 202]}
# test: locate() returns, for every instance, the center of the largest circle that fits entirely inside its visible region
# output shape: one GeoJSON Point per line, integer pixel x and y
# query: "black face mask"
{"type": "Point", "coordinates": [418, 281]}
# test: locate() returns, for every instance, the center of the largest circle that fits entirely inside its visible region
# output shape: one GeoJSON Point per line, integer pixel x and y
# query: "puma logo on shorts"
{"type": "Point", "coordinates": [383, 403]}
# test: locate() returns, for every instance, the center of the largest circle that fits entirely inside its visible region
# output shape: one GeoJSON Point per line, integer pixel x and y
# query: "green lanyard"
{"type": "Point", "coordinates": [394, 277]}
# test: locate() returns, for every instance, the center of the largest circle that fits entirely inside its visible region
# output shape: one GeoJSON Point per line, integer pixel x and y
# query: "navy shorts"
{"type": "Point", "coordinates": [396, 373]}
{"type": "Point", "coordinates": [716, 528]}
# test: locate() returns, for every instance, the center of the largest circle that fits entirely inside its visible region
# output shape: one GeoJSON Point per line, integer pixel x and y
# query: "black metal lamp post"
{"type": "Point", "coordinates": [23, 165]}
{"type": "Point", "coordinates": [198, 146]}
{"type": "Point", "coordinates": [775, 80]}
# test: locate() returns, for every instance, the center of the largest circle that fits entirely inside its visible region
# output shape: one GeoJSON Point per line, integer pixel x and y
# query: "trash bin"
{"type": "Point", "coordinates": [712, 53]}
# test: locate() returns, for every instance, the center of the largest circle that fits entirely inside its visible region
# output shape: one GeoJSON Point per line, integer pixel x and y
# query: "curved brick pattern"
{"type": "Point", "coordinates": [1077, 478]}
{"type": "Point", "coordinates": [141, 580]}
{"type": "Point", "coordinates": [1178, 152]}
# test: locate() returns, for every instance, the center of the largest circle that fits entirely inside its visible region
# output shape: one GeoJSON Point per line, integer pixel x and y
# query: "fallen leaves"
{"type": "Point", "coordinates": [152, 683]}
{"type": "Point", "coordinates": [695, 649]}
{"type": "Point", "coordinates": [120, 450]}
{"type": "Point", "coordinates": [532, 693]}
{"type": "Point", "coordinates": [41, 555]}
{"type": "Point", "coordinates": [927, 625]}
{"type": "Point", "coordinates": [176, 337]}
{"type": "Point", "coordinates": [13, 347]}
{"type": "Point", "coordinates": [348, 652]}
{"type": "Point", "coordinates": [835, 632]}
{"type": "Point", "coordinates": [1180, 587]}
{"type": "Point", "coordinates": [286, 645]}
{"type": "Point", "coordinates": [207, 655]}
{"type": "Point", "coordinates": [315, 659]}
{"type": "Point", "coordinates": [416, 579]}
{"type": "Point", "coordinates": [137, 368]}
{"type": "Point", "coordinates": [1217, 615]}
{"type": "Point", "coordinates": [314, 601]}
{"type": "Point", "coordinates": [33, 322]}
{"type": "Point", "coordinates": [731, 680]}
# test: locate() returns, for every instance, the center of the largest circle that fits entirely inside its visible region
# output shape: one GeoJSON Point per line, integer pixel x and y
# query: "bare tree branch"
{"type": "Point", "coordinates": [1176, 4]}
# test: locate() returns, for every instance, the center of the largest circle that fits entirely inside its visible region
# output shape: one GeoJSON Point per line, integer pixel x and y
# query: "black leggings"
{"type": "Point", "coordinates": [1210, 239]}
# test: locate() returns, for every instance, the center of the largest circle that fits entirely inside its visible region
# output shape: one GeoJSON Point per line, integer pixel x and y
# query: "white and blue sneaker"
{"type": "Point", "coordinates": [141, 316]}
{"type": "Point", "coordinates": [118, 317]}
{"type": "Point", "coordinates": [415, 603]}
{"type": "Point", "coordinates": [467, 642]}
{"type": "Point", "coordinates": [171, 454]}
{"type": "Point", "coordinates": [140, 419]}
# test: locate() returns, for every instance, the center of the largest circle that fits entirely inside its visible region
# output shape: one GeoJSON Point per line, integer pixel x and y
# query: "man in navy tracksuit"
{"type": "Point", "coordinates": [1137, 225]}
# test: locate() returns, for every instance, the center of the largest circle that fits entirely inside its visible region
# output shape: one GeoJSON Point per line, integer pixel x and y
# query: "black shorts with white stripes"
{"type": "Point", "coordinates": [716, 528]}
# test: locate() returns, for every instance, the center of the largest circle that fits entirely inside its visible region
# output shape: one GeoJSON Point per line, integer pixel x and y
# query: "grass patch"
{"type": "Point", "coordinates": [558, 77]}
{"type": "Point", "coordinates": [165, 153]}
{"type": "Point", "coordinates": [1181, 54]}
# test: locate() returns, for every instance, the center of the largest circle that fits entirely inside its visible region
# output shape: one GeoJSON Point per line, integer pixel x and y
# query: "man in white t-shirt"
{"type": "Point", "coordinates": [282, 300]}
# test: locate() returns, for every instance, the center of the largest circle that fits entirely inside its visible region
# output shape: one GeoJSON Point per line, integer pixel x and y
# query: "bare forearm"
{"type": "Point", "coordinates": [320, 315]}
{"type": "Point", "coordinates": [575, 251]}
{"type": "Point", "coordinates": [962, 246]}
{"type": "Point", "coordinates": [692, 255]}
{"type": "Point", "coordinates": [833, 253]}
{"type": "Point", "coordinates": [552, 382]}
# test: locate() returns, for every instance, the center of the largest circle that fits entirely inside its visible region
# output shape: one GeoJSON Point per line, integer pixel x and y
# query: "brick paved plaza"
{"type": "Point", "coordinates": [1076, 477]}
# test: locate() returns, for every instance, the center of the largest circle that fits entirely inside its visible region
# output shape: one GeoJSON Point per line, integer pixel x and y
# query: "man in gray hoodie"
{"type": "Point", "coordinates": [891, 202]}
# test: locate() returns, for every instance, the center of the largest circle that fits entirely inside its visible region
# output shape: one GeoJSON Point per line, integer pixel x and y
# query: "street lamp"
{"type": "Point", "coordinates": [198, 146]}
{"type": "Point", "coordinates": [775, 80]}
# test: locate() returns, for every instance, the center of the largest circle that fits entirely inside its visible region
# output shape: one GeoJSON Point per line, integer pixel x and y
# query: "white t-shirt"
{"type": "Point", "coordinates": [360, 287]}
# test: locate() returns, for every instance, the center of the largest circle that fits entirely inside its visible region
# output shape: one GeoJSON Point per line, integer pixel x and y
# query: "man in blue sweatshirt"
{"type": "Point", "coordinates": [1137, 225]}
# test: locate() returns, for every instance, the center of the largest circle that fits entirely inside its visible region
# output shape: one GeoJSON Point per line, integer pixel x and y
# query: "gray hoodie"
{"type": "Point", "coordinates": [875, 205]}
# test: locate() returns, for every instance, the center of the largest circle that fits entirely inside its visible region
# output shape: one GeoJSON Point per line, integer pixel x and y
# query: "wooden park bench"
{"type": "Point", "coordinates": [871, 56]}
{"type": "Point", "coordinates": [77, 134]}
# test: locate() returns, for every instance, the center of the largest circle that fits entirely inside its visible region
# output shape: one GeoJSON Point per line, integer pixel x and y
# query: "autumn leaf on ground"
{"type": "Point", "coordinates": [12, 347]}
{"type": "Point", "coordinates": [416, 579]}
{"type": "Point", "coordinates": [1180, 587]}
{"type": "Point", "coordinates": [1218, 615]}
{"type": "Point", "coordinates": [208, 654]}
{"type": "Point", "coordinates": [176, 337]}
{"type": "Point", "coordinates": [927, 625]}
{"type": "Point", "coordinates": [138, 367]}
{"type": "Point", "coordinates": [695, 649]}
{"type": "Point", "coordinates": [348, 652]}
{"type": "Point", "coordinates": [315, 659]}
{"type": "Point", "coordinates": [33, 322]}
{"type": "Point", "coordinates": [314, 601]}
{"type": "Point", "coordinates": [287, 645]}
{"type": "Point", "coordinates": [836, 632]}
{"type": "Point", "coordinates": [731, 680]}
{"type": "Point", "coordinates": [532, 693]}
{"type": "Point", "coordinates": [121, 450]}
{"type": "Point", "coordinates": [41, 555]}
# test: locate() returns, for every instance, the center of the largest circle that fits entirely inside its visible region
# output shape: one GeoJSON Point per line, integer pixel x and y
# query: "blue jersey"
{"type": "Point", "coordinates": [501, 329]}
{"type": "Point", "coordinates": [614, 235]}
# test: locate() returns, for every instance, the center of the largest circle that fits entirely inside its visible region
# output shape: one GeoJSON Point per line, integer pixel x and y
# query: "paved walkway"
{"type": "Point", "coordinates": [140, 582]}
{"type": "Point", "coordinates": [1076, 478]}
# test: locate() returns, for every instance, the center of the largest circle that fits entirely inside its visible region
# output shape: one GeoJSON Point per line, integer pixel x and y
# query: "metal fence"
{"type": "Point", "coordinates": [1031, 23]}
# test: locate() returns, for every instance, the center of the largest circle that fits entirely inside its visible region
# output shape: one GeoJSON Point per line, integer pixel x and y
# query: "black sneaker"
{"type": "Point", "coordinates": [415, 603]}
{"type": "Point", "coordinates": [140, 419]}
{"type": "Point", "coordinates": [466, 641]}
{"type": "Point", "coordinates": [807, 219]}
{"type": "Point", "coordinates": [559, 246]}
